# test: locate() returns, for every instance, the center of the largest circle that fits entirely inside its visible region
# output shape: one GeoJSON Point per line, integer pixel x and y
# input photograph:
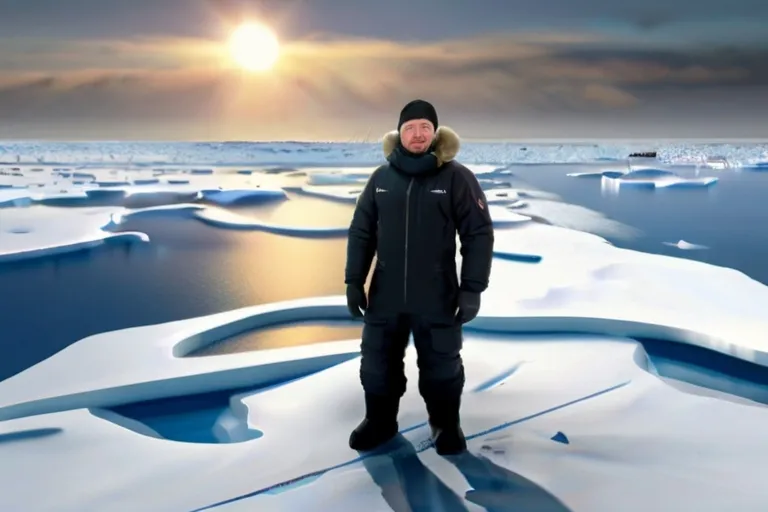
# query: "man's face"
{"type": "Point", "coordinates": [416, 135]}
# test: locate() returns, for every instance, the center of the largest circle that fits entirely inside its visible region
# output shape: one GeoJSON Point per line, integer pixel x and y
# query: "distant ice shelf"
{"type": "Point", "coordinates": [242, 154]}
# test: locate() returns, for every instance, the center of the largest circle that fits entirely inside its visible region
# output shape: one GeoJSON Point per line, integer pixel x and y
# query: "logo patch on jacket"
{"type": "Point", "coordinates": [481, 204]}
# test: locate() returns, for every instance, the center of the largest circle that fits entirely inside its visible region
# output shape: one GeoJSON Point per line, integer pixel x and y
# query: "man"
{"type": "Point", "coordinates": [408, 216]}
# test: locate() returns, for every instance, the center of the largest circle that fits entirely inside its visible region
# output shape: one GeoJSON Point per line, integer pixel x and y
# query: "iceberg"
{"type": "Point", "coordinates": [645, 178]}
{"type": "Point", "coordinates": [686, 246]}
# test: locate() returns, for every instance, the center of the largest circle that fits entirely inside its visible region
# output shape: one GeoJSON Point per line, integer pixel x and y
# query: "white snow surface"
{"type": "Point", "coordinates": [27, 233]}
{"type": "Point", "coordinates": [636, 441]}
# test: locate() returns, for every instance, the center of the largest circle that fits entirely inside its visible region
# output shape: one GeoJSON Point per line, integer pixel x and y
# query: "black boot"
{"type": "Point", "coordinates": [446, 426]}
{"type": "Point", "coordinates": [379, 425]}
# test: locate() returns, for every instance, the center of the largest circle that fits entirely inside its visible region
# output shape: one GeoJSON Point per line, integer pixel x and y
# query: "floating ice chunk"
{"type": "Point", "coordinates": [348, 176]}
{"type": "Point", "coordinates": [578, 218]}
{"type": "Point", "coordinates": [34, 232]}
{"type": "Point", "coordinates": [645, 178]}
{"type": "Point", "coordinates": [655, 178]}
{"type": "Point", "coordinates": [502, 196]}
{"type": "Point", "coordinates": [167, 209]}
{"type": "Point", "coordinates": [344, 194]}
{"type": "Point", "coordinates": [226, 219]}
{"type": "Point", "coordinates": [512, 197]}
{"type": "Point", "coordinates": [517, 204]}
{"type": "Point", "coordinates": [488, 170]}
{"type": "Point", "coordinates": [502, 216]}
{"type": "Point", "coordinates": [686, 246]}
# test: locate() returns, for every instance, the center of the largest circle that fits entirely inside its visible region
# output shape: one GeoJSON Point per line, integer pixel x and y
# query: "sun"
{"type": "Point", "coordinates": [254, 47]}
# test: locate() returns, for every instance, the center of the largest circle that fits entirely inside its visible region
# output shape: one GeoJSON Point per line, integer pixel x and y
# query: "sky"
{"type": "Point", "coordinates": [494, 69]}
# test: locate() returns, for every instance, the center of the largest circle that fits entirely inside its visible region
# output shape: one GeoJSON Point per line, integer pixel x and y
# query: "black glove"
{"type": "Point", "coordinates": [356, 300]}
{"type": "Point", "coordinates": [469, 306]}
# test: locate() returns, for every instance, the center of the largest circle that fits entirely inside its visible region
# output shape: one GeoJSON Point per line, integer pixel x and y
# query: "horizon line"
{"type": "Point", "coordinates": [483, 140]}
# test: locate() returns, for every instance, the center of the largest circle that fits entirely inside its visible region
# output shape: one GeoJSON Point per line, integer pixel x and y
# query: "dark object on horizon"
{"type": "Point", "coordinates": [643, 154]}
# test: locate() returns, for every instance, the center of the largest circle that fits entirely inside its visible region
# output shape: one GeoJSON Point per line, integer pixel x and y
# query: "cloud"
{"type": "Point", "coordinates": [19, 55]}
{"type": "Point", "coordinates": [352, 82]}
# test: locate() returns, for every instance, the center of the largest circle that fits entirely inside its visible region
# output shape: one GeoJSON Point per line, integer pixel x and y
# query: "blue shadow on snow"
{"type": "Point", "coordinates": [314, 475]}
{"type": "Point", "coordinates": [28, 435]}
{"type": "Point", "coordinates": [190, 418]}
{"type": "Point", "coordinates": [204, 417]}
{"type": "Point", "coordinates": [684, 362]}
{"type": "Point", "coordinates": [407, 485]}
{"type": "Point", "coordinates": [501, 490]}
{"type": "Point", "coordinates": [708, 369]}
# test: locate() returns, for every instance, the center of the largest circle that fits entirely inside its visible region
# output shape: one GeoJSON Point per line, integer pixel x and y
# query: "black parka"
{"type": "Point", "coordinates": [408, 215]}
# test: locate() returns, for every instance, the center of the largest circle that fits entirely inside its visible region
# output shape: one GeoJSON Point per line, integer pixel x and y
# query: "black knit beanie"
{"type": "Point", "coordinates": [418, 109]}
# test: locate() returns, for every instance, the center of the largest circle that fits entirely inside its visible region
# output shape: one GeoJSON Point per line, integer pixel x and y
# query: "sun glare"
{"type": "Point", "coordinates": [254, 47]}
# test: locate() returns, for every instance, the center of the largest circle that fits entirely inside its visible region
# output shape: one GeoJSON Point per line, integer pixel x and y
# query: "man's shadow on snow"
{"type": "Point", "coordinates": [501, 490]}
{"type": "Point", "coordinates": [407, 485]}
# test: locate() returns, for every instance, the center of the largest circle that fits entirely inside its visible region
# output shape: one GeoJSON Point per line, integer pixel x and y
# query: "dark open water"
{"type": "Point", "coordinates": [729, 217]}
{"type": "Point", "coordinates": [188, 269]}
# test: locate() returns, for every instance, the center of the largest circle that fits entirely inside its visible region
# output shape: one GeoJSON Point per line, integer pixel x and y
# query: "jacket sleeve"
{"type": "Point", "coordinates": [475, 227]}
{"type": "Point", "coordinates": [361, 241]}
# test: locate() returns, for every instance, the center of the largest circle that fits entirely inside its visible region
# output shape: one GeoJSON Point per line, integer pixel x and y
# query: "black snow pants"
{"type": "Point", "coordinates": [438, 347]}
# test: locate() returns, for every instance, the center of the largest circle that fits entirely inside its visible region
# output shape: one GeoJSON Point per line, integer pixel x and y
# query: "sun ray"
{"type": "Point", "coordinates": [254, 47]}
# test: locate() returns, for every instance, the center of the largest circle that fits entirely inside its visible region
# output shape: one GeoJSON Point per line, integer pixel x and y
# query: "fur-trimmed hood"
{"type": "Point", "coordinates": [446, 147]}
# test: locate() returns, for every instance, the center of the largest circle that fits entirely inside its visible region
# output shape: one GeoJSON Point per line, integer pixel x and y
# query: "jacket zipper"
{"type": "Point", "coordinates": [407, 223]}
